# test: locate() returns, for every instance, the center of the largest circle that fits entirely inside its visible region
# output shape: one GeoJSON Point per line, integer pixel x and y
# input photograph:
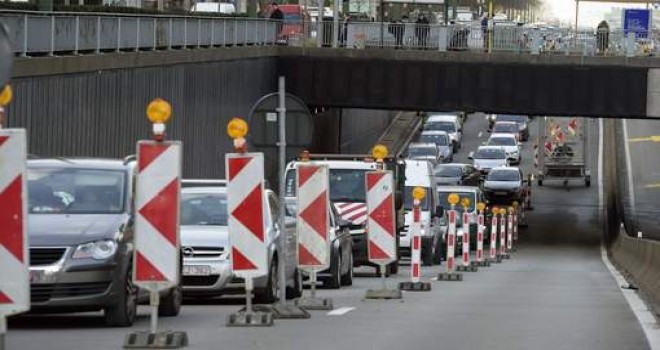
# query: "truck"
{"type": "Point", "coordinates": [562, 150]}
{"type": "Point", "coordinates": [348, 195]}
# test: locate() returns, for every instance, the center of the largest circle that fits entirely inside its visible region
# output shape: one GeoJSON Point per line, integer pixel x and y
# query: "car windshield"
{"type": "Point", "coordinates": [204, 209]}
{"type": "Point", "coordinates": [408, 202]}
{"type": "Point", "coordinates": [76, 191]}
{"type": "Point", "coordinates": [511, 118]}
{"type": "Point", "coordinates": [442, 199]}
{"type": "Point", "coordinates": [439, 140]}
{"type": "Point", "coordinates": [449, 171]}
{"type": "Point", "coordinates": [346, 185]}
{"type": "Point", "coordinates": [502, 141]}
{"type": "Point", "coordinates": [505, 128]}
{"type": "Point", "coordinates": [503, 175]}
{"type": "Point", "coordinates": [490, 153]}
{"type": "Point", "coordinates": [422, 152]}
{"type": "Point", "coordinates": [441, 126]}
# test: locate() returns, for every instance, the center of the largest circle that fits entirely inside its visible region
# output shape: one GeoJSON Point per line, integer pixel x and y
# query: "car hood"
{"type": "Point", "coordinates": [448, 180]}
{"type": "Point", "coordinates": [60, 229]}
{"type": "Point", "coordinates": [489, 163]}
{"type": "Point", "coordinates": [502, 185]}
{"type": "Point", "coordinates": [205, 236]}
{"type": "Point", "coordinates": [429, 158]}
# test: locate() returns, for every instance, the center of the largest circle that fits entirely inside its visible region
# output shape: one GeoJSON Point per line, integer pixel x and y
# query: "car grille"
{"type": "Point", "coordinates": [202, 252]}
{"type": "Point", "coordinates": [45, 256]}
{"type": "Point", "coordinates": [198, 281]}
{"type": "Point", "coordinates": [40, 293]}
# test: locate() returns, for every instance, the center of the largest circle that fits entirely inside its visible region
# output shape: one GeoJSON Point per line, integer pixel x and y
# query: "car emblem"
{"type": "Point", "coordinates": [188, 251]}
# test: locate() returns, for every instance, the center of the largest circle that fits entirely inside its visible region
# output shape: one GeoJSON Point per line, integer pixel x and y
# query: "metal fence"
{"type": "Point", "coordinates": [35, 33]}
{"type": "Point", "coordinates": [39, 33]}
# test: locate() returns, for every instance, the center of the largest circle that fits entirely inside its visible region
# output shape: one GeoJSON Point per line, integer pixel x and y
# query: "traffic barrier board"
{"type": "Point", "coordinates": [415, 256]}
{"type": "Point", "coordinates": [14, 261]}
{"type": "Point", "coordinates": [381, 226]}
{"type": "Point", "coordinates": [494, 256]}
{"type": "Point", "coordinates": [157, 244]}
{"type": "Point", "coordinates": [313, 224]}
{"type": "Point", "coordinates": [450, 275]}
{"type": "Point", "coordinates": [509, 232]}
{"type": "Point", "coordinates": [246, 224]}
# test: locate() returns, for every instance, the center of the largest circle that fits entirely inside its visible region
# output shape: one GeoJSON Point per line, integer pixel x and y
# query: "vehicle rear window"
{"type": "Point", "coordinates": [503, 175]}
{"type": "Point", "coordinates": [505, 128]}
{"type": "Point", "coordinates": [502, 141]}
{"type": "Point", "coordinates": [449, 171]}
{"type": "Point", "coordinates": [76, 191]}
{"type": "Point", "coordinates": [441, 126]}
{"type": "Point", "coordinates": [440, 140]}
{"type": "Point", "coordinates": [490, 153]}
{"type": "Point", "coordinates": [422, 151]}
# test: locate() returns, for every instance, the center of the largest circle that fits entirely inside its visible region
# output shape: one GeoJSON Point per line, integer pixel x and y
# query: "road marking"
{"type": "Point", "coordinates": [631, 189]}
{"type": "Point", "coordinates": [340, 311]}
{"type": "Point", "coordinates": [642, 312]}
{"type": "Point", "coordinates": [481, 133]}
{"type": "Point", "coordinates": [654, 138]}
{"type": "Point", "coordinates": [656, 185]}
{"type": "Point", "coordinates": [600, 168]}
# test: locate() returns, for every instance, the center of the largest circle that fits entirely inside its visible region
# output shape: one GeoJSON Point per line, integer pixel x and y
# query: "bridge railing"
{"type": "Point", "coordinates": [44, 33]}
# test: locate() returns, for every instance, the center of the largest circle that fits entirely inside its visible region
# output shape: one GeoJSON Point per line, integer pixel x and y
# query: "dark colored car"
{"type": "Point", "coordinates": [340, 272]}
{"type": "Point", "coordinates": [457, 174]}
{"type": "Point", "coordinates": [505, 185]}
{"type": "Point", "coordinates": [81, 239]}
{"type": "Point", "coordinates": [521, 120]}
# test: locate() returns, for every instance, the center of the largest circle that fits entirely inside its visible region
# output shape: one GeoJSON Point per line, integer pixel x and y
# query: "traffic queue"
{"type": "Point", "coordinates": [107, 235]}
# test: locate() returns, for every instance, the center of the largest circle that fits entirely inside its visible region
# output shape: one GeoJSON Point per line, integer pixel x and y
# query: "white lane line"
{"type": "Point", "coordinates": [631, 189]}
{"type": "Point", "coordinates": [642, 313]}
{"type": "Point", "coordinates": [481, 133]}
{"type": "Point", "coordinates": [340, 311]}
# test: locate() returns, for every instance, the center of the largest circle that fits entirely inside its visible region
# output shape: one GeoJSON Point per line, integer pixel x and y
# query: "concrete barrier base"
{"type": "Point", "coordinates": [315, 303]}
{"type": "Point", "coordinates": [415, 286]}
{"type": "Point", "coordinates": [244, 318]}
{"type": "Point", "coordinates": [483, 263]}
{"type": "Point", "coordinates": [450, 276]}
{"type": "Point", "coordinates": [160, 340]}
{"type": "Point", "coordinates": [383, 294]}
{"type": "Point", "coordinates": [469, 268]}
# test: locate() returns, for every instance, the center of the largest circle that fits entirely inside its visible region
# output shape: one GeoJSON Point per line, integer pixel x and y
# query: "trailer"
{"type": "Point", "coordinates": [562, 150]}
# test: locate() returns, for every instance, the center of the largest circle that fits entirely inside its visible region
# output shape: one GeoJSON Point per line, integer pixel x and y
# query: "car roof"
{"type": "Point", "coordinates": [421, 144]}
{"type": "Point", "coordinates": [506, 123]}
{"type": "Point", "coordinates": [455, 165]}
{"type": "Point", "coordinates": [80, 163]}
{"type": "Point", "coordinates": [502, 134]}
{"type": "Point", "coordinates": [434, 132]}
{"type": "Point", "coordinates": [506, 168]}
{"type": "Point", "coordinates": [490, 147]}
{"type": "Point", "coordinates": [442, 118]}
{"type": "Point", "coordinates": [338, 164]}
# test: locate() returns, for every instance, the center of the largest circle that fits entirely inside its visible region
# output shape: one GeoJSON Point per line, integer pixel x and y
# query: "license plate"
{"type": "Point", "coordinates": [196, 270]}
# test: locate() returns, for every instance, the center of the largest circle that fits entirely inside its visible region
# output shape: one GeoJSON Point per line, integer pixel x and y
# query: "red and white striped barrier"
{"type": "Point", "coordinates": [480, 237]}
{"type": "Point", "coordinates": [246, 224]}
{"type": "Point", "coordinates": [313, 224]}
{"type": "Point", "coordinates": [415, 254]}
{"type": "Point", "coordinates": [451, 240]}
{"type": "Point", "coordinates": [536, 155]}
{"type": "Point", "coordinates": [14, 262]}
{"type": "Point", "coordinates": [156, 254]}
{"type": "Point", "coordinates": [466, 238]}
{"type": "Point", "coordinates": [503, 234]}
{"type": "Point", "coordinates": [515, 226]}
{"type": "Point", "coordinates": [493, 238]}
{"type": "Point", "coordinates": [381, 225]}
{"type": "Point", "coordinates": [509, 232]}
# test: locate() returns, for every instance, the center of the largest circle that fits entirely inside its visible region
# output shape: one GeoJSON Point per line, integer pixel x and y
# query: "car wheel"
{"type": "Point", "coordinates": [334, 281]}
{"type": "Point", "coordinates": [122, 314]}
{"type": "Point", "coordinates": [270, 293]}
{"type": "Point", "coordinates": [427, 252]}
{"type": "Point", "coordinates": [347, 279]}
{"type": "Point", "coordinates": [170, 305]}
{"type": "Point", "coordinates": [297, 290]}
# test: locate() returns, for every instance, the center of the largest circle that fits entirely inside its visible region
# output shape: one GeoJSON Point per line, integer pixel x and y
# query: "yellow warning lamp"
{"type": "Point", "coordinates": [159, 112]}
{"type": "Point", "coordinates": [453, 199]}
{"type": "Point", "coordinates": [419, 193]}
{"type": "Point", "coordinates": [465, 202]}
{"type": "Point", "coordinates": [515, 204]}
{"type": "Point", "coordinates": [496, 210]}
{"type": "Point", "coordinates": [237, 128]}
{"type": "Point", "coordinates": [502, 211]}
{"type": "Point", "coordinates": [379, 152]}
{"type": "Point", "coordinates": [481, 206]}
{"type": "Point", "coordinates": [510, 210]}
{"type": "Point", "coordinates": [6, 95]}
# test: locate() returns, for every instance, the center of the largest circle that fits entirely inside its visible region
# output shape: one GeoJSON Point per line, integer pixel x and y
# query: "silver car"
{"type": "Point", "coordinates": [488, 157]}
{"type": "Point", "coordinates": [442, 140]}
{"type": "Point", "coordinates": [205, 246]}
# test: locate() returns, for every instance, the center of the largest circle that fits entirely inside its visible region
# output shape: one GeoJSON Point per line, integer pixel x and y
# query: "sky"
{"type": "Point", "coordinates": [590, 13]}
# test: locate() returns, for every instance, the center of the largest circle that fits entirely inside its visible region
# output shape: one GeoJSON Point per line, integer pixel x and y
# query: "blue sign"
{"type": "Point", "coordinates": [637, 21]}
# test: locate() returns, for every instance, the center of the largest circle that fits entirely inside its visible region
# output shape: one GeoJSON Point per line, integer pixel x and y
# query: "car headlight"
{"type": "Point", "coordinates": [99, 250]}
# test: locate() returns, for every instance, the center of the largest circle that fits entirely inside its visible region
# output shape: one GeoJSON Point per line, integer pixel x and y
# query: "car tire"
{"type": "Point", "coordinates": [268, 294]}
{"type": "Point", "coordinates": [170, 305]}
{"type": "Point", "coordinates": [122, 314]}
{"type": "Point", "coordinates": [427, 252]}
{"type": "Point", "coordinates": [334, 281]}
{"type": "Point", "coordinates": [347, 278]}
{"type": "Point", "coordinates": [297, 290]}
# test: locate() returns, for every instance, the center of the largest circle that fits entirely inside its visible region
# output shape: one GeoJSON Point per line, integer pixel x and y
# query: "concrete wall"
{"type": "Point", "coordinates": [361, 128]}
{"type": "Point", "coordinates": [102, 113]}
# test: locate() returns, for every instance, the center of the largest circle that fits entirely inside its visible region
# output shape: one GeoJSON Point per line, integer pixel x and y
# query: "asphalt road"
{"type": "Point", "coordinates": [555, 293]}
{"type": "Point", "coordinates": [643, 149]}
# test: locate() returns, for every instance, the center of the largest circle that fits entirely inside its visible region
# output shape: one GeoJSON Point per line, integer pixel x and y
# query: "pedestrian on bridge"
{"type": "Point", "coordinates": [422, 31]}
{"type": "Point", "coordinates": [397, 28]}
{"type": "Point", "coordinates": [277, 15]}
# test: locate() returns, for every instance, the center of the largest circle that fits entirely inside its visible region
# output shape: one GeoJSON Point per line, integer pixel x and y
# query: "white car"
{"type": "Point", "coordinates": [442, 140]}
{"type": "Point", "coordinates": [424, 151]}
{"type": "Point", "coordinates": [510, 144]}
{"type": "Point", "coordinates": [488, 157]}
{"type": "Point", "coordinates": [449, 123]}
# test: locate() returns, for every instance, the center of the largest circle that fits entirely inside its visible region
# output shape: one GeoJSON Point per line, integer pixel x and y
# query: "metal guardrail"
{"type": "Point", "coordinates": [39, 33]}
{"type": "Point", "coordinates": [35, 33]}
